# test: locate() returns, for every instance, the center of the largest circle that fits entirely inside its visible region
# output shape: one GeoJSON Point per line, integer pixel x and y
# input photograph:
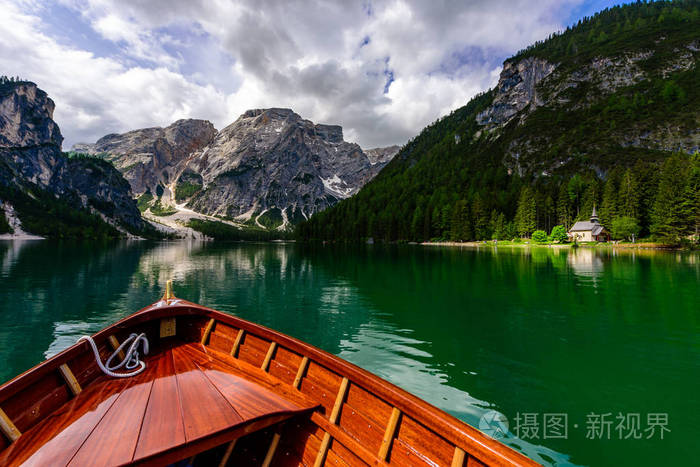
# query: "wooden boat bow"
{"type": "Point", "coordinates": [226, 391]}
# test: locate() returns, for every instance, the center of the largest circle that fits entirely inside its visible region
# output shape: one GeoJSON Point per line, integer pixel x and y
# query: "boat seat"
{"type": "Point", "coordinates": [188, 399]}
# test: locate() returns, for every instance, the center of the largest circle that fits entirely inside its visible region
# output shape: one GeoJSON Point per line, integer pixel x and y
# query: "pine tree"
{"type": "Point", "coordinates": [563, 207]}
{"type": "Point", "coordinates": [576, 188]}
{"type": "Point", "coordinates": [498, 225]}
{"type": "Point", "coordinates": [589, 201]}
{"type": "Point", "coordinates": [690, 205]}
{"type": "Point", "coordinates": [526, 215]}
{"type": "Point", "coordinates": [446, 210]}
{"type": "Point", "coordinates": [480, 216]}
{"type": "Point", "coordinates": [417, 224]}
{"type": "Point", "coordinates": [461, 228]}
{"type": "Point", "coordinates": [628, 195]}
{"type": "Point", "coordinates": [549, 212]}
{"type": "Point", "coordinates": [436, 219]}
{"type": "Point", "coordinates": [608, 207]}
{"type": "Point", "coordinates": [668, 223]}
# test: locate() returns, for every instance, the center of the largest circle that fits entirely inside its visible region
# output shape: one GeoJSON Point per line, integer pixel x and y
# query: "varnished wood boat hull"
{"type": "Point", "coordinates": [318, 409]}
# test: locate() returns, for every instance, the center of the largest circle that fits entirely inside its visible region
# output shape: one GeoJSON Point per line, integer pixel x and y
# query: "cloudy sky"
{"type": "Point", "coordinates": [381, 69]}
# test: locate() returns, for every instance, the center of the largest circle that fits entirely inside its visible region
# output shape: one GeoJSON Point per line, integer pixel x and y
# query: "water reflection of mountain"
{"type": "Point", "coordinates": [272, 284]}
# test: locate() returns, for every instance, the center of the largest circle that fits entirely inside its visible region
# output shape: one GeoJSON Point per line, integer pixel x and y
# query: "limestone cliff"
{"type": "Point", "coordinates": [31, 158]}
{"type": "Point", "coordinates": [516, 89]}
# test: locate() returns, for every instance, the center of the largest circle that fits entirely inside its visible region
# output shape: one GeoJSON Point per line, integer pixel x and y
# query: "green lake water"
{"type": "Point", "coordinates": [532, 334]}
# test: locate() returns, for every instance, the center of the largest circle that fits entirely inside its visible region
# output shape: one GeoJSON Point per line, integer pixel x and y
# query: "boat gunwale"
{"type": "Point", "coordinates": [471, 440]}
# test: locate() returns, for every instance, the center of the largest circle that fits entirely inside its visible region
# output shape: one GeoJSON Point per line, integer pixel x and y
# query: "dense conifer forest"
{"type": "Point", "coordinates": [450, 182]}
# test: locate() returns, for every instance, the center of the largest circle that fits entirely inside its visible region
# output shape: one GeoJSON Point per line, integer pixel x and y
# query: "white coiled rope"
{"type": "Point", "coordinates": [131, 359]}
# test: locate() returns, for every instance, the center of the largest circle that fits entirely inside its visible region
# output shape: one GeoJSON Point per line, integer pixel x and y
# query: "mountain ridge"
{"type": "Point", "coordinates": [269, 165]}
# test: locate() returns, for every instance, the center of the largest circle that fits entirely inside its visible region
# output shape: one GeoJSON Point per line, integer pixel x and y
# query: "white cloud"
{"type": "Point", "coordinates": [300, 54]}
{"type": "Point", "coordinates": [93, 95]}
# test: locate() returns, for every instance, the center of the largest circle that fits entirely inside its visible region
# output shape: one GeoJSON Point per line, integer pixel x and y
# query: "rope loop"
{"type": "Point", "coordinates": [131, 359]}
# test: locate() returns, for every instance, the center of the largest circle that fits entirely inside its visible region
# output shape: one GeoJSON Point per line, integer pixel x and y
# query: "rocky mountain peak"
{"type": "Point", "coordinates": [273, 112]}
{"type": "Point", "coordinates": [516, 89]}
{"type": "Point", "coordinates": [276, 119]}
{"type": "Point", "coordinates": [274, 161]}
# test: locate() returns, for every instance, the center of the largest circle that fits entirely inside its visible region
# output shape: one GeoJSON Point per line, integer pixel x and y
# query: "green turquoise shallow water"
{"type": "Point", "coordinates": [542, 331]}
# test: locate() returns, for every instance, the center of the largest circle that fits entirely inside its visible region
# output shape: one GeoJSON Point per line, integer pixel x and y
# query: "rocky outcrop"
{"type": "Point", "coordinates": [382, 155]}
{"type": "Point", "coordinates": [30, 155]}
{"type": "Point", "coordinates": [601, 76]}
{"type": "Point", "coordinates": [29, 138]}
{"type": "Point", "coordinates": [516, 89]}
{"type": "Point", "coordinates": [151, 157]}
{"type": "Point", "coordinates": [269, 162]}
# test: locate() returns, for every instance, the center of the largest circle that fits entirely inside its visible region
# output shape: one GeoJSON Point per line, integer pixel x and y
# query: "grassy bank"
{"type": "Point", "coordinates": [530, 244]}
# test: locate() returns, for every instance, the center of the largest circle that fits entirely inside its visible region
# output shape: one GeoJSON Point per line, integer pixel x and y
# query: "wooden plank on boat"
{"type": "Point", "coordinates": [458, 458]}
{"type": "Point", "coordinates": [268, 356]}
{"type": "Point", "coordinates": [227, 454]}
{"type": "Point", "coordinates": [389, 433]}
{"type": "Point", "coordinates": [204, 409]}
{"type": "Point", "coordinates": [430, 445]}
{"type": "Point", "coordinates": [8, 428]}
{"type": "Point", "coordinates": [346, 440]}
{"type": "Point", "coordinates": [69, 377]}
{"type": "Point", "coordinates": [168, 327]}
{"type": "Point", "coordinates": [207, 331]}
{"type": "Point", "coordinates": [115, 345]}
{"type": "Point", "coordinates": [162, 423]}
{"type": "Point", "coordinates": [271, 450]}
{"type": "Point", "coordinates": [332, 419]}
{"type": "Point", "coordinates": [237, 343]}
{"type": "Point", "coordinates": [249, 399]}
{"type": "Point", "coordinates": [56, 440]}
{"type": "Point", "coordinates": [113, 441]}
{"type": "Point", "coordinates": [222, 364]}
{"type": "Point", "coordinates": [300, 373]}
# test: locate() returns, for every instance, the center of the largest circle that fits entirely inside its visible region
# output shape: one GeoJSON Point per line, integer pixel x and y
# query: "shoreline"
{"type": "Point", "coordinates": [490, 244]}
{"type": "Point", "coordinates": [21, 236]}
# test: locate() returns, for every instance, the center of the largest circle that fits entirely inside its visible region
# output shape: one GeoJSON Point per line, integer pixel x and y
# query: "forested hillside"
{"type": "Point", "coordinates": [606, 114]}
